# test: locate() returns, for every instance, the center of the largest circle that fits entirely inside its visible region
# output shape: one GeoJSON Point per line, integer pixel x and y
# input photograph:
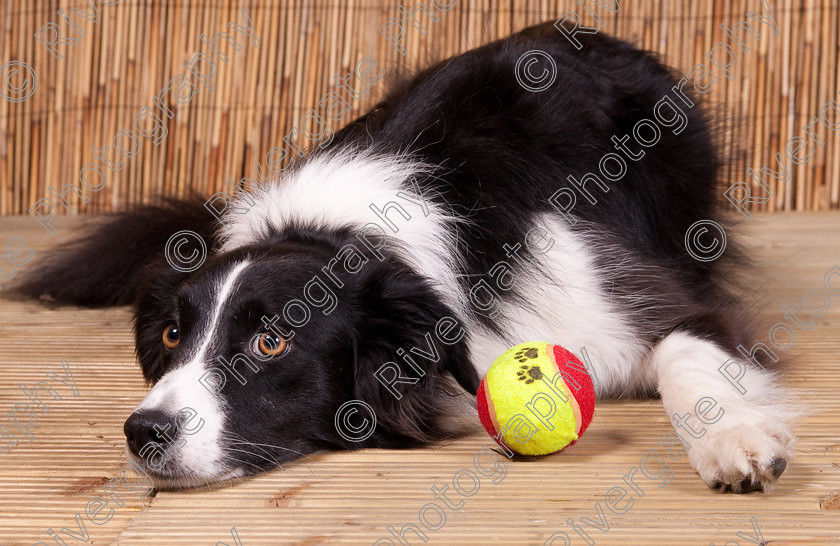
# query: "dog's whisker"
{"type": "Point", "coordinates": [272, 446]}
{"type": "Point", "coordinates": [235, 459]}
{"type": "Point", "coordinates": [263, 457]}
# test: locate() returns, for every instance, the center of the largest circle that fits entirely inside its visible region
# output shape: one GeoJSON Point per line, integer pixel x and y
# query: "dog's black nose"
{"type": "Point", "coordinates": [145, 426]}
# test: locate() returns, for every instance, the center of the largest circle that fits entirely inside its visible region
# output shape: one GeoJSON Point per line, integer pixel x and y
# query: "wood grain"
{"type": "Point", "coordinates": [336, 497]}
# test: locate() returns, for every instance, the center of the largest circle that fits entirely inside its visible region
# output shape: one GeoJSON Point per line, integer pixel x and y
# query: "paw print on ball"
{"type": "Point", "coordinates": [522, 355]}
{"type": "Point", "coordinates": [529, 374]}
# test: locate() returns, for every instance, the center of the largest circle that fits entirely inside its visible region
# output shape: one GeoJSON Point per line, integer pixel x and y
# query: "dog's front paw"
{"type": "Point", "coordinates": [742, 458]}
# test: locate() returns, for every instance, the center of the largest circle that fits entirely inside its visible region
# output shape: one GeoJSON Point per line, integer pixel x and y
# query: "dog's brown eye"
{"type": "Point", "coordinates": [270, 344]}
{"type": "Point", "coordinates": [171, 336]}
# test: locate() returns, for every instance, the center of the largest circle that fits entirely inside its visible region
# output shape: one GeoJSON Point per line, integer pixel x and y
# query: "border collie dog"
{"type": "Point", "coordinates": [393, 264]}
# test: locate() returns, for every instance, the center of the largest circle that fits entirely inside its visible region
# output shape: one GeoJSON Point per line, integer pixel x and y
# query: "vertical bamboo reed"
{"type": "Point", "coordinates": [126, 57]}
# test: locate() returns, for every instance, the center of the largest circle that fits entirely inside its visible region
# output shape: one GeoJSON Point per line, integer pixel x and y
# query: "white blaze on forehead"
{"type": "Point", "coordinates": [179, 389]}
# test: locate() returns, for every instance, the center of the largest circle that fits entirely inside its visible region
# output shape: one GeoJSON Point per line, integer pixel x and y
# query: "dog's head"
{"type": "Point", "coordinates": [268, 352]}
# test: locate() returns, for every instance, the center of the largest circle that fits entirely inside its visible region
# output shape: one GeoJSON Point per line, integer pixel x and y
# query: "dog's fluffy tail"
{"type": "Point", "coordinates": [106, 267]}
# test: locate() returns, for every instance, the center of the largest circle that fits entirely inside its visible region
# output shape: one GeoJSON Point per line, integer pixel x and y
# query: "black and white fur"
{"type": "Point", "coordinates": [485, 155]}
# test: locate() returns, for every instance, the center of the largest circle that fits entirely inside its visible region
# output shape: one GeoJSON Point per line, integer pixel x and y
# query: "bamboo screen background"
{"type": "Point", "coordinates": [135, 47]}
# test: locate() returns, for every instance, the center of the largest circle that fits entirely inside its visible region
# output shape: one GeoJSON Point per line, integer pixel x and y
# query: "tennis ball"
{"type": "Point", "coordinates": [536, 399]}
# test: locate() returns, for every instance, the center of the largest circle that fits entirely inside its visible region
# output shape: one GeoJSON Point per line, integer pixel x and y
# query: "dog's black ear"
{"type": "Point", "coordinates": [407, 343]}
{"type": "Point", "coordinates": [106, 267]}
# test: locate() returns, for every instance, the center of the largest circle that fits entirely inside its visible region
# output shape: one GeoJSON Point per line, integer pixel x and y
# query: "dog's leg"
{"type": "Point", "coordinates": [738, 442]}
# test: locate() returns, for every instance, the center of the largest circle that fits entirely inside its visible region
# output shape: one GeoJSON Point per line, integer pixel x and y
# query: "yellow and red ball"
{"type": "Point", "coordinates": [536, 399]}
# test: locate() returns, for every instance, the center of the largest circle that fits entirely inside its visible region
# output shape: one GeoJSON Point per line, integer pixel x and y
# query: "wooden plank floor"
{"type": "Point", "coordinates": [77, 445]}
